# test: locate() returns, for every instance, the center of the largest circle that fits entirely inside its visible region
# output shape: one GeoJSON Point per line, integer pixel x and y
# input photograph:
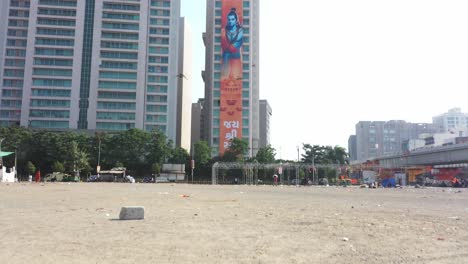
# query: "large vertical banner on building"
{"type": "Point", "coordinates": [232, 38]}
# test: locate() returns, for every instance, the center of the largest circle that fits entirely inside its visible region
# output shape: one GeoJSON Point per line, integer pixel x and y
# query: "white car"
{"type": "Point", "coordinates": [130, 179]}
{"type": "Point", "coordinates": [161, 179]}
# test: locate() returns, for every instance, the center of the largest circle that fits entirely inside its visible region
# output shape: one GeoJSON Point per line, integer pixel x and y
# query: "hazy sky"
{"type": "Point", "coordinates": [327, 64]}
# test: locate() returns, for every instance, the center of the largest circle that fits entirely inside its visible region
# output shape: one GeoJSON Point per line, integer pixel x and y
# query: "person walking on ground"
{"type": "Point", "coordinates": [37, 176]}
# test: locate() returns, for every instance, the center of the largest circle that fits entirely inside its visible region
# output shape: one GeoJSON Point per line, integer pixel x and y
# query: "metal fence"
{"type": "Point", "coordinates": [259, 173]}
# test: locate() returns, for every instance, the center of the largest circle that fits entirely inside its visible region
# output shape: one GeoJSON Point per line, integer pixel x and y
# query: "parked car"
{"type": "Point", "coordinates": [296, 181]}
{"type": "Point", "coordinates": [93, 178]}
{"type": "Point", "coordinates": [148, 179]}
{"type": "Point", "coordinates": [129, 179]}
{"type": "Point", "coordinates": [162, 179]}
{"type": "Point", "coordinates": [60, 177]}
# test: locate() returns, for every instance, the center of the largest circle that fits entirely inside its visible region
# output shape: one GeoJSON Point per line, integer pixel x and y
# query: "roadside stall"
{"type": "Point", "coordinates": [6, 174]}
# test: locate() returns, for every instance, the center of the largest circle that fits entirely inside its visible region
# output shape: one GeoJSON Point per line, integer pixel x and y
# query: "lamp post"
{"type": "Point", "coordinates": [16, 166]}
{"type": "Point", "coordinates": [297, 166]}
{"type": "Point", "coordinates": [313, 168]}
{"type": "Point", "coordinates": [297, 147]}
{"type": "Point", "coordinates": [99, 155]}
{"type": "Point", "coordinates": [192, 165]}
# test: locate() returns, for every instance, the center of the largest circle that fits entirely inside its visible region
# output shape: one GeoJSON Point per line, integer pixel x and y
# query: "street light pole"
{"type": "Point", "coordinates": [16, 166]}
{"type": "Point", "coordinates": [99, 153]}
{"type": "Point", "coordinates": [313, 167]}
{"type": "Point", "coordinates": [192, 164]}
{"type": "Point", "coordinates": [297, 153]}
{"type": "Point", "coordinates": [297, 166]}
{"type": "Point", "coordinates": [98, 169]}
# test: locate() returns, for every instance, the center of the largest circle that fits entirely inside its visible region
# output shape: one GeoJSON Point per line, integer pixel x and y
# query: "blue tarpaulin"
{"type": "Point", "coordinates": [390, 182]}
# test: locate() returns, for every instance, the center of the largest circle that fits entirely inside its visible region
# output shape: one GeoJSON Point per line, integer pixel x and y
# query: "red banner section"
{"type": "Point", "coordinates": [232, 38]}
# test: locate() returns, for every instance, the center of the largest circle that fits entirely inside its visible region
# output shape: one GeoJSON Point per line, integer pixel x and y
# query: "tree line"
{"type": "Point", "coordinates": [317, 154]}
{"type": "Point", "coordinates": [141, 152]}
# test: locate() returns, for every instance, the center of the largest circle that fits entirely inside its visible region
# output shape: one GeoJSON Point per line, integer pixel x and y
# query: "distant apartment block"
{"type": "Point", "coordinates": [379, 138]}
{"type": "Point", "coordinates": [352, 152]}
{"type": "Point", "coordinates": [197, 121]}
{"type": "Point", "coordinates": [265, 116]}
{"type": "Point", "coordinates": [453, 121]}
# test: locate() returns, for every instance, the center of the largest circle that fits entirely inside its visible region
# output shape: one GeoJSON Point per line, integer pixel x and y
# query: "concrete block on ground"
{"type": "Point", "coordinates": [132, 213]}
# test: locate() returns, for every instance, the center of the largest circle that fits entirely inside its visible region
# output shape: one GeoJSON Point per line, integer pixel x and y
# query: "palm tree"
{"type": "Point", "coordinates": [341, 155]}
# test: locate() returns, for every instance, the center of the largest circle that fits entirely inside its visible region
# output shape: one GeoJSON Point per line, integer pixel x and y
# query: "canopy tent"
{"type": "Point", "coordinates": [3, 154]}
{"type": "Point", "coordinates": [7, 175]}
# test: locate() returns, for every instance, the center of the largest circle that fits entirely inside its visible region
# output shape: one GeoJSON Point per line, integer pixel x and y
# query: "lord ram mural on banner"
{"type": "Point", "coordinates": [232, 38]}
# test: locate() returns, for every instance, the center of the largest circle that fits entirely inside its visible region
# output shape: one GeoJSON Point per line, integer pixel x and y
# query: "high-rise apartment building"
{"type": "Point", "coordinates": [29, 39]}
{"type": "Point", "coordinates": [265, 116]}
{"type": "Point", "coordinates": [197, 121]}
{"type": "Point", "coordinates": [378, 138]}
{"type": "Point", "coordinates": [95, 64]}
{"type": "Point", "coordinates": [231, 74]}
{"type": "Point", "coordinates": [352, 152]}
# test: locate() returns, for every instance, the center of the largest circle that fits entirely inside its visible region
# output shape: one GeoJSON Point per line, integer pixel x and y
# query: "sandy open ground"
{"type": "Point", "coordinates": [77, 223]}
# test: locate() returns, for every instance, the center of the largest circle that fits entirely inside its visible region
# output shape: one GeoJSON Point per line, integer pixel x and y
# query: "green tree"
{"type": "Point", "coordinates": [201, 152]}
{"type": "Point", "coordinates": [236, 150]}
{"type": "Point", "coordinates": [156, 169]}
{"type": "Point", "coordinates": [77, 160]}
{"type": "Point", "coordinates": [301, 174]}
{"type": "Point", "coordinates": [30, 168]}
{"type": "Point", "coordinates": [203, 161]}
{"type": "Point", "coordinates": [135, 148]}
{"type": "Point", "coordinates": [43, 149]}
{"type": "Point", "coordinates": [324, 154]}
{"type": "Point", "coordinates": [313, 154]}
{"type": "Point", "coordinates": [14, 137]}
{"type": "Point", "coordinates": [58, 167]}
{"type": "Point", "coordinates": [131, 147]}
{"type": "Point", "coordinates": [119, 164]}
{"type": "Point", "coordinates": [335, 155]}
{"type": "Point", "coordinates": [340, 155]}
{"type": "Point", "coordinates": [266, 154]}
{"type": "Point", "coordinates": [82, 162]}
{"type": "Point", "coordinates": [159, 148]}
{"type": "Point", "coordinates": [179, 156]}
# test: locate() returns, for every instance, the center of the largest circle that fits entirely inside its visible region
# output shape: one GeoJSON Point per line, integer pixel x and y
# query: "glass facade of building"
{"type": "Point", "coordinates": [13, 64]}
{"type": "Point", "coordinates": [86, 64]}
{"type": "Point", "coordinates": [90, 64]}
